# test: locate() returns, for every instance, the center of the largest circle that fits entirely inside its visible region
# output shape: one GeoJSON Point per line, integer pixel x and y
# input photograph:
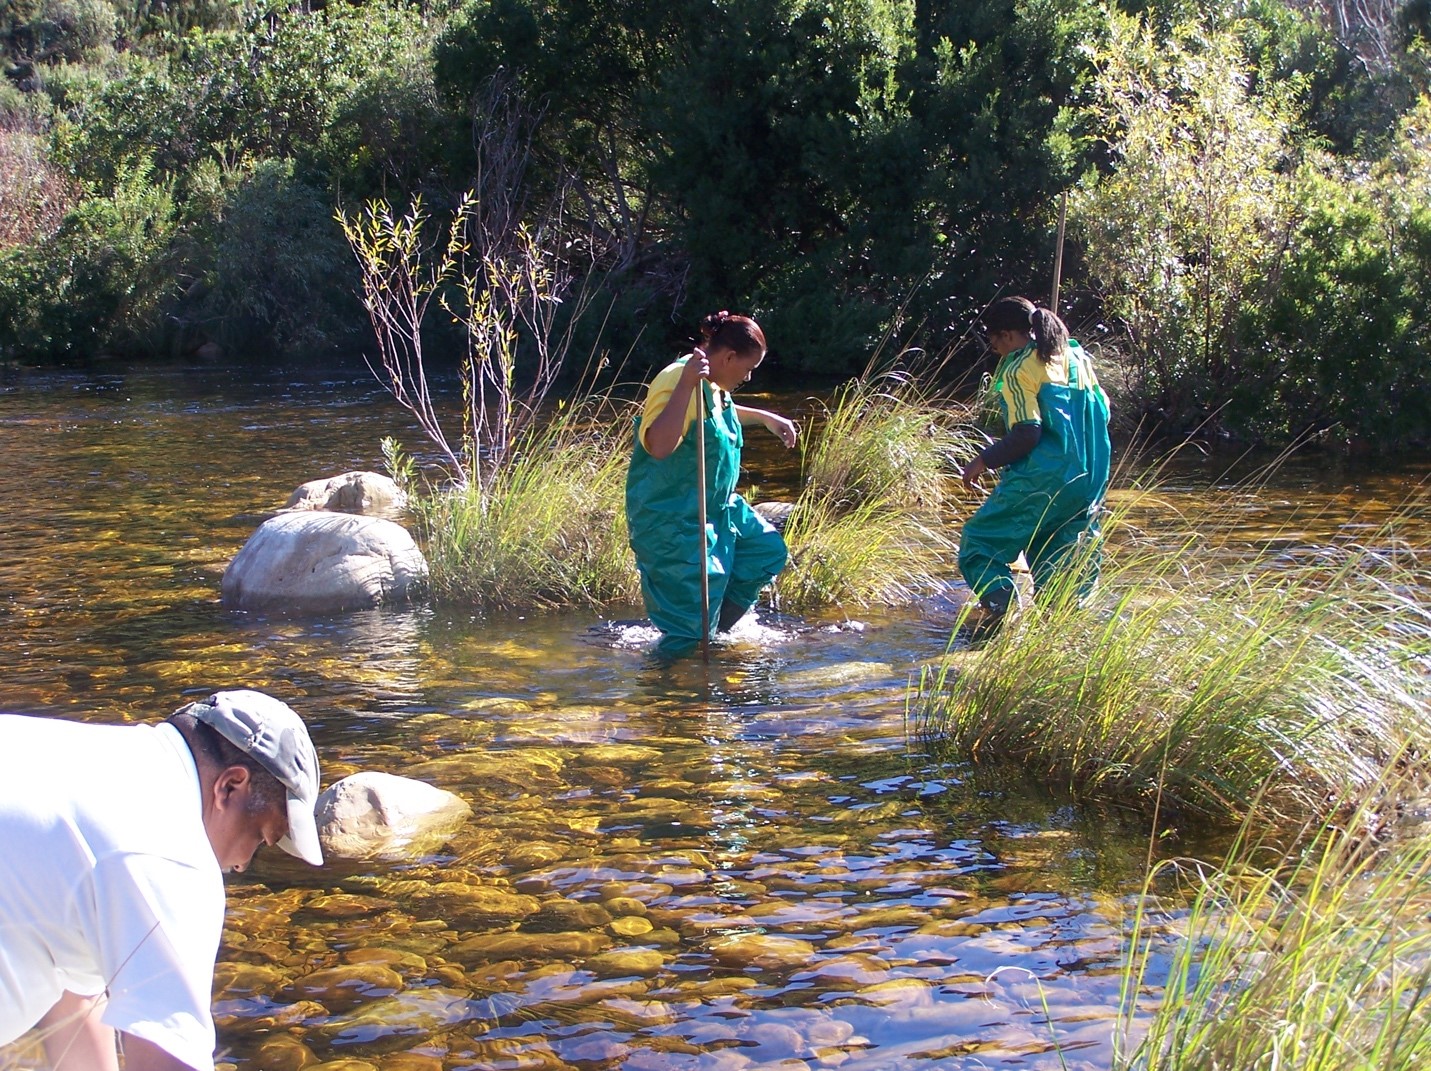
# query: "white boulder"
{"type": "Point", "coordinates": [367, 493]}
{"type": "Point", "coordinates": [372, 814]}
{"type": "Point", "coordinates": [320, 562]}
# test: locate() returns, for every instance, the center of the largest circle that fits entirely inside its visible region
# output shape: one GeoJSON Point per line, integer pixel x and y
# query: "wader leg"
{"type": "Point", "coordinates": [992, 538]}
{"type": "Point", "coordinates": [759, 555]}
{"type": "Point", "coordinates": [1069, 550]}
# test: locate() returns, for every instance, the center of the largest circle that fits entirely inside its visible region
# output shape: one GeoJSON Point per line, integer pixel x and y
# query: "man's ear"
{"type": "Point", "coordinates": [232, 786]}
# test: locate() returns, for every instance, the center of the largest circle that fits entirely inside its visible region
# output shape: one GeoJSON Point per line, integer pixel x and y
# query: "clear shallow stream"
{"type": "Point", "coordinates": [745, 865]}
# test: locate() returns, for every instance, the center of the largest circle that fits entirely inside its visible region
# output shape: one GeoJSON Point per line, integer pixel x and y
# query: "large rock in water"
{"type": "Point", "coordinates": [318, 562]}
{"type": "Point", "coordinates": [777, 513]}
{"type": "Point", "coordinates": [366, 493]}
{"type": "Point", "coordinates": [379, 814]}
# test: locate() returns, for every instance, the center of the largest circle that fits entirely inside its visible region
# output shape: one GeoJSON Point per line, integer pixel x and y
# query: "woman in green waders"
{"type": "Point", "coordinates": [1054, 456]}
{"type": "Point", "coordinates": [743, 551]}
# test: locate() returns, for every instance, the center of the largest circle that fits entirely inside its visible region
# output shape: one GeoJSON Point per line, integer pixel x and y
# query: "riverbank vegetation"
{"type": "Point", "coordinates": [1317, 963]}
{"type": "Point", "coordinates": [870, 524]}
{"type": "Point", "coordinates": [1247, 181]}
{"type": "Point", "coordinates": [547, 528]}
{"type": "Point", "coordinates": [1190, 687]}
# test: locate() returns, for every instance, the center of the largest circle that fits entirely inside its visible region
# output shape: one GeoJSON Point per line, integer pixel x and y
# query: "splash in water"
{"type": "Point", "coordinates": [760, 629]}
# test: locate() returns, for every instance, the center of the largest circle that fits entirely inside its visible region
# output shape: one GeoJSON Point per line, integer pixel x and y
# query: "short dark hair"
{"type": "Point", "coordinates": [268, 791]}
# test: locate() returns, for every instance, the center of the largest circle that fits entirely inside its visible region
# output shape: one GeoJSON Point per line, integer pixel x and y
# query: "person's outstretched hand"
{"type": "Point", "coordinates": [783, 429]}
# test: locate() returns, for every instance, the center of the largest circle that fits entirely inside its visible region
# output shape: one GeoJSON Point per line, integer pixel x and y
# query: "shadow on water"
{"type": "Point", "coordinates": [745, 863]}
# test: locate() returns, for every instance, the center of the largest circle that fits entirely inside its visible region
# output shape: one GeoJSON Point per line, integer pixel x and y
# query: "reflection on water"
{"type": "Point", "coordinates": [723, 865]}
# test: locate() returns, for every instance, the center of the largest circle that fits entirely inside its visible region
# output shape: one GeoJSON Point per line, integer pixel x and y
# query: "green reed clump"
{"type": "Point", "coordinates": [874, 553]}
{"type": "Point", "coordinates": [882, 437]}
{"type": "Point", "coordinates": [1323, 965]}
{"type": "Point", "coordinates": [867, 527]}
{"type": "Point", "coordinates": [1192, 686]}
{"type": "Point", "coordinates": [547, 530]}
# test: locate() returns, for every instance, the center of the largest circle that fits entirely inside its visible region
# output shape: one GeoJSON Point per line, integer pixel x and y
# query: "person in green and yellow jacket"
{"type": "Point", "coordinates": [743, 551]}
{"type": "Point", "coordinates": [1054, 458]}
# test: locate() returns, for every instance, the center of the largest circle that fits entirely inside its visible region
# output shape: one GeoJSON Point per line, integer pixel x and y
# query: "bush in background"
{"type": "Point", "coordinates": [96, 285]}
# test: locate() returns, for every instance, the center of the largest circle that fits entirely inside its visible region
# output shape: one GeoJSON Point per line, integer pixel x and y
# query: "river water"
{"type": "Point", "coordinates": [741, 865]}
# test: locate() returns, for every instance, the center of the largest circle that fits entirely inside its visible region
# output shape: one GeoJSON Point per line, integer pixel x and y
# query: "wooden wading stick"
{"type": "Point", "coordinates": [701, 513]}
{"type": "Point", "coordinates": [1058, 254]}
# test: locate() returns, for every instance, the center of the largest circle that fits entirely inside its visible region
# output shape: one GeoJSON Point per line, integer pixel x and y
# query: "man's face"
{"type": "Point", "coordinates": [237, 823]}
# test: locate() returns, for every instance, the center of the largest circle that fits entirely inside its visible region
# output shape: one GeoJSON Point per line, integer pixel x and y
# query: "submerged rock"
{"type": "Point", "coordinates": [777, 514]}
{"type": "Point", "coordinates": [529, 946]}
{"type": "Point", "coordinates": [283, 1052]}
{"type": "Point", "coordinates": [380, 815]}
{"type": "Point", "coordinates": [318, 562]}
{"type": "Point", "coordinates": [761, 950]}
{"type": "Point", "coordinates": [396, 1020]}
{"type": "Point", "coordinates": [345, 987]}
{"type": "Point", "coordinates": [234, 980]}
{"type": "Point", "coordinates": [520, 769]}
{"type": "Point", "coordinates": [626, 962]}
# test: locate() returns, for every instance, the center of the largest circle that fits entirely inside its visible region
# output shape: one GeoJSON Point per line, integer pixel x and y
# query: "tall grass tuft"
{"type": "Point", "coordinates": [868, 526]}
{"type": "Point", "coordinates": [548, 530]}
{"type": "Point", "coordinates": [1323, 965]}
{"type": "Point", "coordinates": [882, 437]}
{"type": "Point", "coordinates": [1193, 685]}
{"type": "Point", "coordinates": [876, 553]}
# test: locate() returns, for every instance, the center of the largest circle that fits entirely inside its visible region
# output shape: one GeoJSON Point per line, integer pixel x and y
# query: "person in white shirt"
{"type": "Point", "coordinates": [113, 843]}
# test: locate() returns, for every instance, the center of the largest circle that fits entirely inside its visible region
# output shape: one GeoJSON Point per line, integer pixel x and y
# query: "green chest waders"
{"type": "Point", "coordinates": [1045, 503]}
{"type": "Point", "coordinates": [743, 552]}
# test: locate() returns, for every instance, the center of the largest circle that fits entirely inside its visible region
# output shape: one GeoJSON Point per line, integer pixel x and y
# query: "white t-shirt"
{"type": "Point", "coordinates": [107, 881]}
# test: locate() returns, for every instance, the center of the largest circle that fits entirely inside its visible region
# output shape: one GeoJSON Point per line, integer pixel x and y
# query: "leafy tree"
{"type": "Point", "coordinates": [785, 156]}
{"type": "Point", "coordinates": [995, 93]}
{"type": "Point", "coordinates": [588, 67]}
{"type": "Point", "coordinates": [391, 134]}
{"type": "Point", "coordinates": [1188, 221]}
{"type": "Point", "coordinates": [1339, 343]}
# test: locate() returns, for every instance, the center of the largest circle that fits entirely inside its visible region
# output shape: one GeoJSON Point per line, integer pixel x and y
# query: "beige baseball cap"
{"type": "Point", "coordinates": [274, 735]}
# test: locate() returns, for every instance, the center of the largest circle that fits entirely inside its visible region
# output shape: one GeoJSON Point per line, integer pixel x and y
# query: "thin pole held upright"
{"type": "Point", "coordinates": [701, 513]}
{"type": "Point", "coordinates": [1058, 254]}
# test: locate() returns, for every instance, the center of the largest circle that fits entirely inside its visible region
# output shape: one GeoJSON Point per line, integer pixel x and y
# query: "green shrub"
{"type": "Point", "coordinates": [1338, 344]}
{"type": "Point", "coordinates": [98, 284]}
{"type": "Point", "coordinates": [268, 90]}
{"type": "Point", "coordinates": [269, 266]}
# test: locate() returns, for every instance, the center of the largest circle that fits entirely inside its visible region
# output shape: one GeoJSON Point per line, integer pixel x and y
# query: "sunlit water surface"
{"type": "Point", "coordinates": [746, 864]}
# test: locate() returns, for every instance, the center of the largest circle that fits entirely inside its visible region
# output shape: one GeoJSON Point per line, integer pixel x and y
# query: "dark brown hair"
{"type": "Point", "coordinates": [1021, 314]}
{"type": "Point", "coordinates": [268, 791]}
{"type": "Point", "coordinates": [739, 333]}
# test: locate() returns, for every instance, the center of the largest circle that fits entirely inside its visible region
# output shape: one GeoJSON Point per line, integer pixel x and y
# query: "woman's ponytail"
{"type": "Point", "coordinates": [1020, 314]}
{"type": "Point", "coordinates": [1050, 334]}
